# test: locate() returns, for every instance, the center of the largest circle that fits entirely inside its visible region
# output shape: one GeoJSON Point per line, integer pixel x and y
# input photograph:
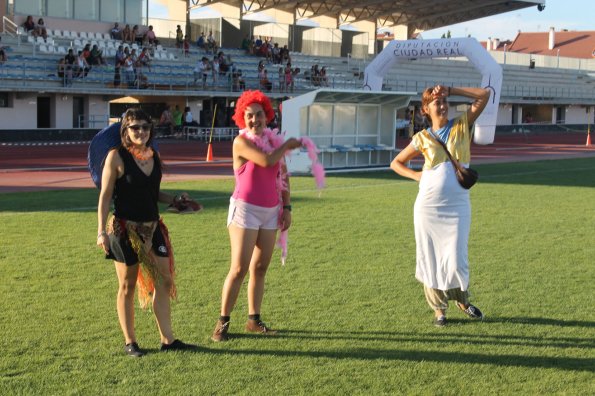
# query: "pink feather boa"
{"type": "Point", "coordinates": [269, 141]}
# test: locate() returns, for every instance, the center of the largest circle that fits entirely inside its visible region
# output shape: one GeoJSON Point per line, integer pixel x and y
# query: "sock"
{"type": "Point", "coordinates": [254, 317]}
{"type": "Point", "coordinates": [224, 319]}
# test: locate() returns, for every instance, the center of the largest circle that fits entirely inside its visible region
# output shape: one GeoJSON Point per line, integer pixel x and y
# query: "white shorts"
{"type": "Point", "coordinates": [252, 217]}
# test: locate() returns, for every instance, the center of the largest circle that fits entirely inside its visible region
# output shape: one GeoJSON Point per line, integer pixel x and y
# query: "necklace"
{"type": "Point", "coordinates": [143, 154]}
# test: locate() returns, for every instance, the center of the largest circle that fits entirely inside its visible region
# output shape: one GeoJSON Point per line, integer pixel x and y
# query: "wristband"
{"type": "Point", "coordinates": [102, 233]}
{"type": "Point", "coordinates": [288, 207]}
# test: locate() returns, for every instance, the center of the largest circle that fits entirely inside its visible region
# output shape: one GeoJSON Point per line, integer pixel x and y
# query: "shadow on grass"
{"type": "Point", "coordinates": [371, 354]}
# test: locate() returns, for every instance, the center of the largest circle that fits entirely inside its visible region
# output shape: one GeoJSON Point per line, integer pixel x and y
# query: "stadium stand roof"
{"type": "Point", "coordinates": [421, 15]}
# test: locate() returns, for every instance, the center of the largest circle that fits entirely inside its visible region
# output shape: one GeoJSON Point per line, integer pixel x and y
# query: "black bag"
{"type": "Point", "coordinates": [466, 177]}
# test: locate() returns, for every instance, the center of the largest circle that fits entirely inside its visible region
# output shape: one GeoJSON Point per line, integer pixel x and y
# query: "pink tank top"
{"type": "Point", "coordinates": [257, 185]}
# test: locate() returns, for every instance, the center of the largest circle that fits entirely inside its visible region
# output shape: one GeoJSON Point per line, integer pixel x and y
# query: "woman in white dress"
{"type": "Point", "coordinates": [442, 211]}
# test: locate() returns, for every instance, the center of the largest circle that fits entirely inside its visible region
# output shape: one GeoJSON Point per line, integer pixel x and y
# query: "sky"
{"type": "Point", "coordinates": [560, 14]}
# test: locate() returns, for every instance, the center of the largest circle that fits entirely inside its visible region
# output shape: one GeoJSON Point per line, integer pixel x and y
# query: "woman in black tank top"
{"type": "Point", "coordinates": [135, 237]}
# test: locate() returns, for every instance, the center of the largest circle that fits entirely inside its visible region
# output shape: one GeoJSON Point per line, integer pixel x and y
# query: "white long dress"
{"type": "Point", "coordinates": [442, 212]}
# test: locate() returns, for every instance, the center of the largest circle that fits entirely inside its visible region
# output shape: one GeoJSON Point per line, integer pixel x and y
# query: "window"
{"type": "Point", "coordinates": [29, 7]}
{"type": "Point", "coordinates": [5, 99]}
{"type": "Point", "coordinates": [133, 12]}
{"type": "Point", "coordinates": [59, 8]}
{"type": "Point", "coordinates": [86, 10]}
{"type": "Point", "coordinates": [112, 11]}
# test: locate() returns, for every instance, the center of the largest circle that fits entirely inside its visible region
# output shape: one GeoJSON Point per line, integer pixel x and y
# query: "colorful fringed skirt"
{"type": "Point", "coordinates": [140, 243]}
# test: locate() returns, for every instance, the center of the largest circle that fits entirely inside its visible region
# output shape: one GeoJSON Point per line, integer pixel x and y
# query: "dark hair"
{"type": "Point", "coordinates": [132, 114]}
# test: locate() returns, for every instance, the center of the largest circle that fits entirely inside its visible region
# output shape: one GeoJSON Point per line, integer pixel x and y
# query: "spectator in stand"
{"type": "Point", "coordinates": [265, 83]}
{"type": "Point", "coordinates": [29, 25]}
{"type": "Point", "coordinates": [215, 70]}
{"type": "Point", "coordinates": [96, 57]}
{"type": "Point", "coordinates": [211, 43]}
{"type": "Point", "coordinates": [82, 67]}
{"type": "Point", "coordinates": [201, 70]}
{"type": "Point", "coordinates": [144, 59]}
{"type": "Point", "coordinates": [186, 46]}
{"type": "Point", "coordinates": [40, 29]}
{"type": "Point", "coordinates": [87, 52]}
{"type": "Point", "coordinates": [201, 42]}
{"type": "Point", "coordinates": [62, 70]}
{"type": "Point", "coordinates": [257, 46]}
{"type": "Point", "coordinates": [136, 36]}
{"type": "Point", "coordinates": [69, 62]}
{"type": "Point", "coordinates": [323, 79]}
{"type": "Point", "coordinates": [276, 52]}
{"type": "Point", "coordinates": [150, 36]}
{"type": "Point", "coordinates": [179, 37]}
{"type": "Point", "coordinates": [246, 44]}
{"type": "Point", "coordinates": [129, 70]}
{"type": "Point", "coordinates": [167, 120]}
{"type": "Point", "coordinates": [177, 117]}
{"type": "Point", "coordinates": [288, 78]}
{"type": "Point", "coordinates": [315, 75]}
{"type": "Point", "coordinates": [237, 82]}
{"type": "Point", "coordinates": [268, 50]}
{"type": "Point", "coordinates": [281, 79]}
{"type": "Point", "coordinates": [116, 33]}
{"type": "Point", "coordinates": [3, 57]}
{"type": "Point", "coordinates": [224, 63]}
{"type": "Point", "coordinates": [285, 54]}
{"type": "Point", "coordinates": [118, 63]}
{"type": "Point", "coordinates": [127, 36]}
{"type": "Point", "coordinates": [187, 119]}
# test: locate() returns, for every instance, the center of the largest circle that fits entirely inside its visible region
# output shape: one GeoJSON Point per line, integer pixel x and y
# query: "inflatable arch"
{"type": "Point", "coordinates": [491, 72]}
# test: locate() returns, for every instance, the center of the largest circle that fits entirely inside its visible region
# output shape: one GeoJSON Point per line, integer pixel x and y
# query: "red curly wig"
{"type": "Point", "coordinates": [248, 98]}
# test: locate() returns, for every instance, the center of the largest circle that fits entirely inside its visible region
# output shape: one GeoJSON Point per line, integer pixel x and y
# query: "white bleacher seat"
{"type": "Point", "coordinates": [109, 44]}
{"type": "Point", "coordinates": [46, 49]}
{"type": "Point", "coordinates": [40, 40]}
{"type": "Point", "coordinates": [106, 36]}
{"type": "Point", "coordinates": [73, 34]}
{"type": "Point", "coordinates": [159, 48]}
{"type": "Point", "coordinates": [110, 51]}
{"type": "Point", "coordinates": [78, 43]}
{"type": "Point", "coordinates": [21, 30]}
{"type": "Point", "coordinates": [61, 50]}
{"type": "Point", "coordinates": [94, 42]}
{"type": "Point", "coordinates": [49, 41]}
{"type": "Point", "coordinates": [135, 46]}
{"type": "Point", "coordinates": [171, 56]}
{"type": "Point", "coordinates": [31, 39]}
{"type": "Point", "coordinates": [49, 32]}
{"type": "Point", "coordinates": [57, 33]}
{"type": "Point", "coordinates": [83, 35]}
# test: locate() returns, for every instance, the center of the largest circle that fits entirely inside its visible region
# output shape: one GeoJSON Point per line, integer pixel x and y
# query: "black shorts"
{"type": "Point", "coordinates": [120, 248]}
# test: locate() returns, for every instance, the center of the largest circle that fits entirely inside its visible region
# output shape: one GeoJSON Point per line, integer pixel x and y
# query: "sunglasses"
{"type": "Point", "coordinates": [137, 127]}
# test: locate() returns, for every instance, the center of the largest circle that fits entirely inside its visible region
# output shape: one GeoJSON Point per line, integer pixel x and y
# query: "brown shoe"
{"type": "Point", "coordinates": [258, 326]}
{"type": "Point", "coordinates": [220, 332]}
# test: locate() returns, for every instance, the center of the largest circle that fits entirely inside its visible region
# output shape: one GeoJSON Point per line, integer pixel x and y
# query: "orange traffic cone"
{"type": "Point", "coordinates": [588, 138]}
{"type": "Point", "coordinates": [210, 153]}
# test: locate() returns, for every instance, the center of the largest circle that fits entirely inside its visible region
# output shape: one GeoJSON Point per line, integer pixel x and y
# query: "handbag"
{"type": "Point", "coordinates": [466, 177]}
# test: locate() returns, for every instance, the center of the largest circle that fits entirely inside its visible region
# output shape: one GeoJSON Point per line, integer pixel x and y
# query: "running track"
{"type": "Point", "coordinates": [51, 166]}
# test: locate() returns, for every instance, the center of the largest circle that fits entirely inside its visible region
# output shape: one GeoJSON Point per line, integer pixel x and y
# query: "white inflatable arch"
{"type": "Point", "coordinates": [491, 72]}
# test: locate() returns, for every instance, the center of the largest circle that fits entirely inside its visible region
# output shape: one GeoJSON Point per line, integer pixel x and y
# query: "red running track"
{"type": "Point", "coordinates": [63, 166]}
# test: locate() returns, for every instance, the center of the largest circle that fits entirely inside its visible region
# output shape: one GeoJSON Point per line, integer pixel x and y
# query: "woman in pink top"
{"type": "Point", "coordinates": [260, 204]}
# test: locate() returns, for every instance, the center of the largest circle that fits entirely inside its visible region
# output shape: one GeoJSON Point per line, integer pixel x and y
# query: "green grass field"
{"type": "Point", "coordinates": [352, 317]}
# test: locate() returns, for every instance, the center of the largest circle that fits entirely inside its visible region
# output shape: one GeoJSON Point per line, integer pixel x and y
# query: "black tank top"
{"type": "Point", "coordinates": [136, 194]}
